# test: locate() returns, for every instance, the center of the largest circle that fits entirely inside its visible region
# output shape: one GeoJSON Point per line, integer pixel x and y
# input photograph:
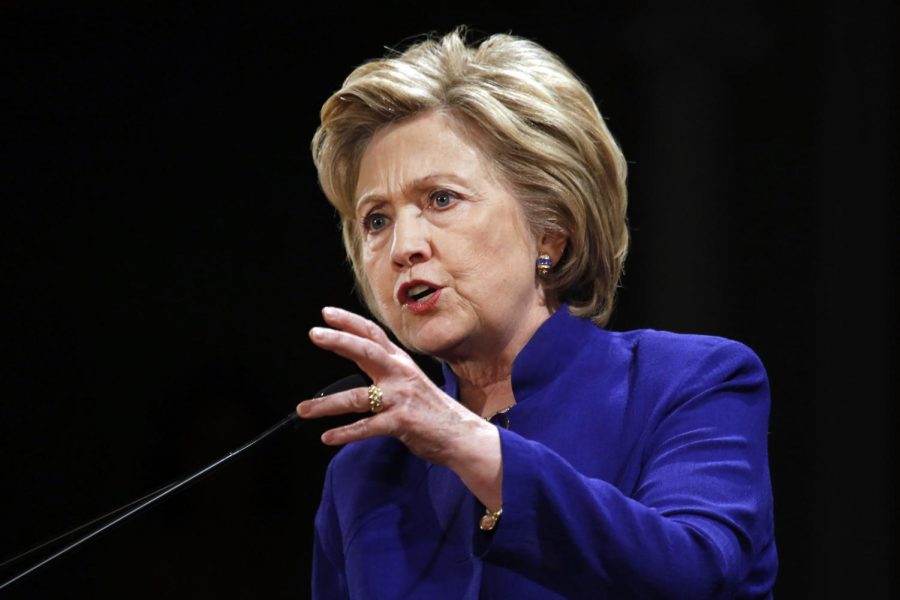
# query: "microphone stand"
{"type": "Point", "coordinates": [344, 384]}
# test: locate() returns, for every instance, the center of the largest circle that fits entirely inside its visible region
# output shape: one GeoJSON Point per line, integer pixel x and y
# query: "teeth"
{"type": "Point", "coordinates": [419, 291]}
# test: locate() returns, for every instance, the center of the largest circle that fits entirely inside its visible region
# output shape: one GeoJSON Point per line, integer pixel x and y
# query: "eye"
{"type": "Point", "coordinates": [374, 222]}
{"type": "Point", "coordinates": [442, 199]}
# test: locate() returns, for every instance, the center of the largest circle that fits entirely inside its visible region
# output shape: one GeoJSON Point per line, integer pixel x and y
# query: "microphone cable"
{"type": "Point", "coordinates": [124, 512]}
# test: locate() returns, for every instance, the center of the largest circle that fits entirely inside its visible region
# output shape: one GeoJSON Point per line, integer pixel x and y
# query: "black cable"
{"type": "Point", "coordinates": [71, 532]}
{"type": "Point", "coordinates": [344, 384]}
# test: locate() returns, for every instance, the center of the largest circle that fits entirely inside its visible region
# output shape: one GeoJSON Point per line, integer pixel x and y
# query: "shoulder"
{"type": "Point", "coordinates": [648, 362]}
{"type": "Point", "coordinates": [580, 339]}
{"type": "Point", "coordinates": [669, 369]}
{"type": "Point", "coordinates": [668, 351]}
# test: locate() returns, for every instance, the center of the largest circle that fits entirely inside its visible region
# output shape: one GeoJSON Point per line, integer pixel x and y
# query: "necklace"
{"type": "Point", "coordinates": [504, 412]}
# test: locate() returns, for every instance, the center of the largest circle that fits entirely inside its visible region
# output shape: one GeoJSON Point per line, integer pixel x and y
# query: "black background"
{"type": "Point", "coordinates": [165, 249]}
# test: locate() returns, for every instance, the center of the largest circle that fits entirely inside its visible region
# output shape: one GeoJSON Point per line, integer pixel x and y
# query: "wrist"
{"type": "Point", "coordinates": [478, 463]}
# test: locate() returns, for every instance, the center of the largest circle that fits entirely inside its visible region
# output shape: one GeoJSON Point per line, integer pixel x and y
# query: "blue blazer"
{"type": "Point", "coordinates": [634, 466]}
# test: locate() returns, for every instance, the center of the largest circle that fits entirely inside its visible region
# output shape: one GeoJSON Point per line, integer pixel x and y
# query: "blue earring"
{"type": "Point", "coordinates": [544, 262]}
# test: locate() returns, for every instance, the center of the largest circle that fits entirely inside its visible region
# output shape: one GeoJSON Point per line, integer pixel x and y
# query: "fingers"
{"type": "Point", "coordinates": [356, 400]}
{"type": "Point", "coordinates": [358, 339]}
{"type": "Point", "coordinates": [359, 430]}
{"type": "Point", "coordinates": [350, 401]}
{"type": "Point", "coordinates": [355, 324]}
{"type": "Point", "coordinates": [370, 356]}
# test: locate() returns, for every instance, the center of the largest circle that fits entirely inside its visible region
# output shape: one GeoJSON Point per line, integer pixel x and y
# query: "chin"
{"type": "Point", "coordinates": [432, 337]}
{"type": "Point", "coordinates": [423, 343]}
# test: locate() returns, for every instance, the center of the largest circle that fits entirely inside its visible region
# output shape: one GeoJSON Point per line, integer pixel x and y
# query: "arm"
{"type": "Point", "coordinates": [699, 514]}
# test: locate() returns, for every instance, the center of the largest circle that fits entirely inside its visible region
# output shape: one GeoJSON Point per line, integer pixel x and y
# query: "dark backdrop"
{"type": "Point", "coordinates": [165, 249]}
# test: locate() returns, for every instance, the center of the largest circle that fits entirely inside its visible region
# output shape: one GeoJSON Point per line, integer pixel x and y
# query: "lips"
{"type": "Point", "coordinates": [418, 296]}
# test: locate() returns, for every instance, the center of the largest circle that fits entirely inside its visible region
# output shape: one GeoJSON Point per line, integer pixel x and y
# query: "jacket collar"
{"type": "Point", "coordinates": [549, 352]}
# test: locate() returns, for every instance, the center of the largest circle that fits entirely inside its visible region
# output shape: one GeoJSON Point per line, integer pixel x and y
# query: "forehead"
{"type": "Point", "coordinates": [421, 147]}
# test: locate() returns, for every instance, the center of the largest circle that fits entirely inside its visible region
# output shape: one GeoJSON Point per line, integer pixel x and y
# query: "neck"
{"type": "Point", "coordinates": [484, 391]}
{"type": "Point", "coordinates": [485, 380]}
{"type": "Point", "coordinates": [484, 369]}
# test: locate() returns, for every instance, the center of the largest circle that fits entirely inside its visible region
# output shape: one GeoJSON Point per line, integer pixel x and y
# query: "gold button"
{"type": "Point", "coordinates": [489, 520]}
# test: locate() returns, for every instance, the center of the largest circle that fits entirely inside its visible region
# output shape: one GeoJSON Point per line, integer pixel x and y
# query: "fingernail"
{"type": "Point", "coordinates": [303, 409]}
{"type": "Point", "coordinates": [328, 312]}
{"type": "Point", "coordinates": [317, 332]}
{"type": "Point", "coordinates": [326, 438]}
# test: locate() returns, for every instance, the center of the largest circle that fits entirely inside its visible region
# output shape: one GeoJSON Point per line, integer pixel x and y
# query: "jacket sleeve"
{"type": "Point", "coordinates": [328, 578]}
{"type": "Point", "coordinates": [700, 512]}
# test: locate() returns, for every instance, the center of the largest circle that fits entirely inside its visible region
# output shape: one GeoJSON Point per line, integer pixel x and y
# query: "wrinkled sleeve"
{"type": "Point", "coordinates": [700, 512]}
{"type": "Point", "coordinates": [328, 578]}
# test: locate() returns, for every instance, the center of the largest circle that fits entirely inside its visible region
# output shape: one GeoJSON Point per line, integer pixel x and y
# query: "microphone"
{"type": "Point", "coordinates": [152, 498]}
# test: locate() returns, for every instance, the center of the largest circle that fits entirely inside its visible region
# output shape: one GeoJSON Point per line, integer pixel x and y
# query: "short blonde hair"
{"type": "Point", "coordinates": [531, 116]}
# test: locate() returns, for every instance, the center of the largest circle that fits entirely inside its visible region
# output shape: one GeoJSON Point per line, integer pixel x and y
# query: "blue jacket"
{"type": "Point", "coordinates": [634, 466]}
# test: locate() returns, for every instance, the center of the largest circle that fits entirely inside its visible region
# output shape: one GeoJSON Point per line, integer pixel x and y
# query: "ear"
{"type": "Point", "coordinates": [554, 244]}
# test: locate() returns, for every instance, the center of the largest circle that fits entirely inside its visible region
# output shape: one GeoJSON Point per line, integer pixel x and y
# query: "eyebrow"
{"type": "Point", "coordinates": [414, 185]}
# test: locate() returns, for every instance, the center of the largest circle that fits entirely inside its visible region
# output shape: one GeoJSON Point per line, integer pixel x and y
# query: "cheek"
{"type": "Point", "coordinates": [378, 276]}
{"type": "Point", "coordinates": [509, 255]}
{"type": "Point", "coordinates": [504, 242]}
{"type": "Point", "coordinates": [495, 262]}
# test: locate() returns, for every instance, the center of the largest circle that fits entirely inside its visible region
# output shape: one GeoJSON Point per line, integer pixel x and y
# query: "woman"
{"type": "Point", "coordinates": [483, 208]}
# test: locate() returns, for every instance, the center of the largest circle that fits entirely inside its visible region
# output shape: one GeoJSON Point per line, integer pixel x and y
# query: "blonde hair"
{"type": "Point", "coordinates": [533, 118]}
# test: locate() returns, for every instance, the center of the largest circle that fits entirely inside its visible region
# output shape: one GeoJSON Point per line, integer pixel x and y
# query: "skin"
{"type": "Point", "coordinates": [431, 208]}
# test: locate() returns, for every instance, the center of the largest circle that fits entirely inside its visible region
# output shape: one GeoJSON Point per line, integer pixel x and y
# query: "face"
{"type": "Point", "coordinates": [445, 246]}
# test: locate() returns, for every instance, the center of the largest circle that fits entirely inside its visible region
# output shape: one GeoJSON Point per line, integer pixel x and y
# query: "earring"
{"type": "Point", "coordinates": [544, 262]}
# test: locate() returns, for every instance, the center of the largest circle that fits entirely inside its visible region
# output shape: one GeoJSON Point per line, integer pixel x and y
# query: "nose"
{"type": "Point", "coordinates": [411, 242]}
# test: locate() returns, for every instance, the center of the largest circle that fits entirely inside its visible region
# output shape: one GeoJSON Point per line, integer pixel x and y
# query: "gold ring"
{"type": "Point", "coordinates": [375, 395]}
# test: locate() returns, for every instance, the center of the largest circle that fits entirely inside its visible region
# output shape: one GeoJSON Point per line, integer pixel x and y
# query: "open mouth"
{"type": "Point", "coordinates": [419, 292]}
{"type": "Point", "coordinates": [419, 296]}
